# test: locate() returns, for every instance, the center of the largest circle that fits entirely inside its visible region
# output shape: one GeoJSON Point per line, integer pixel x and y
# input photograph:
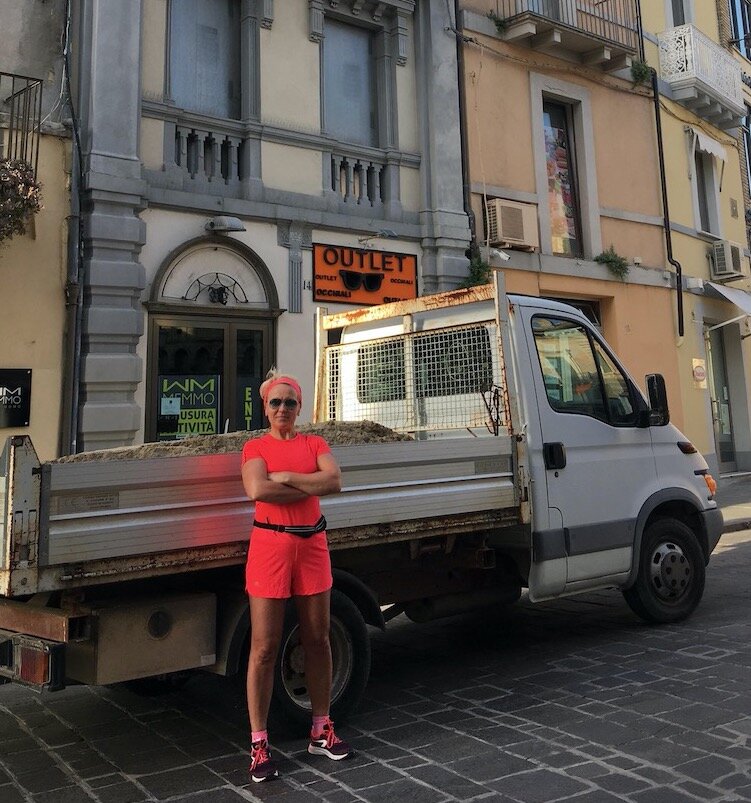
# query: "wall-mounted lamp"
{"type": "Point", "coordinates": [223, 223]}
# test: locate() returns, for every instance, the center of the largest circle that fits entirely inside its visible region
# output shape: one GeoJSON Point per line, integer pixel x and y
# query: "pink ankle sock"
{"type": "Point", "coordinates": [256, 736]}
{"type": "Point", "coordinates": [318, 723]}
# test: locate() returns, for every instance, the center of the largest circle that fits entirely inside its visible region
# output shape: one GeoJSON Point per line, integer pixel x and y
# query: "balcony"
{"type": "Point", "coordinates": [599, 33]}
{"type": "Point", "coordinates": [702, 76]}
{"type": "Point", "coordinates": [204, 156]}
{"type": "Point", "coordinates": [20, 116]}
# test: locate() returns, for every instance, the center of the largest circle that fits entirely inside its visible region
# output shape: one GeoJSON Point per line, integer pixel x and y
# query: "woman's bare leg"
{"type": "Point", "coordinates": [313, 613]}
{"type": "Point", "coordinates": [266, 623]}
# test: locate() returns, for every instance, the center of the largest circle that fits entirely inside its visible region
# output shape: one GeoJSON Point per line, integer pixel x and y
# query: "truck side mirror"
{"type": "Point", "coordinates": [659, 414]}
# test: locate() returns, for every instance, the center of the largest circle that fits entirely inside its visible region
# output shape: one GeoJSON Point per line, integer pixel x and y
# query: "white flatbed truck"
{"type": "Point", "coordinates": [534, 462]}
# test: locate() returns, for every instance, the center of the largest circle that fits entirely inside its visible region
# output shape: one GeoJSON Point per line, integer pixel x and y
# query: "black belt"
{"type": "Point", "coordinates": [303, 531]}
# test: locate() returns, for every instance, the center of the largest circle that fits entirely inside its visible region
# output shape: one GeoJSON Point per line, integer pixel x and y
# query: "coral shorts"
{"type": "Point", "coordinates": [281, 565]}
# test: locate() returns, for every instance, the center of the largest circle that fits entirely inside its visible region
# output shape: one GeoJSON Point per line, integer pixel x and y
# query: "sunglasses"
{"type": "Point", "coordinates": [289, 404]}
{"type": "Point", "coordinates": [354, 281]}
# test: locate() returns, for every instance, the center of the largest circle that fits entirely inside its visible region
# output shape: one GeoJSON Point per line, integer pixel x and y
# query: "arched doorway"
{"type": "Point", "coordinates": [212, 339]}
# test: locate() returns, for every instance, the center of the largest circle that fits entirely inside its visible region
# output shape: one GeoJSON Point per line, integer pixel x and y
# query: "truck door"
{"type": "Point", "coordinates": [595, 458]}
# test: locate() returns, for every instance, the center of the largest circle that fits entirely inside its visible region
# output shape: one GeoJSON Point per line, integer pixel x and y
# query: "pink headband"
{"type": "Point", "coordinates": [283, 380]}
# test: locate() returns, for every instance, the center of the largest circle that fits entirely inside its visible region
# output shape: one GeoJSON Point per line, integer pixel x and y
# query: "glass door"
{"type": "Point", "coordinates": [249, 372]}
{"type": "Point", "coordinates": [204, 376]}
{"type": "Point", "coordinates": [722, 418]}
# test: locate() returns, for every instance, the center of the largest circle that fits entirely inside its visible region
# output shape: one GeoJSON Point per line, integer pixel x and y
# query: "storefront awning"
{"type": "Point", "coordinates": [740, 298]}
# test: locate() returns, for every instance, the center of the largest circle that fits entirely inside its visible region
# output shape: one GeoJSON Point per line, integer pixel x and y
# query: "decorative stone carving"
{"type": "Point", "coordinates": [315, 20]}
{"type": "Point", "coordinates": [401, 38]}
{"type": "Point", "coordinates": [397, 11]}
{"type": "Point", "coordinates": [296, 237]}
{"type": "Point", "coordinates": [267, 13]}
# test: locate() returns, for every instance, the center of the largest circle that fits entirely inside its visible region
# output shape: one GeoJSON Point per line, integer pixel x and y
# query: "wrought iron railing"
{"type": "Point", "coordinates": [20, 118]}
{"type": "Point", "coordinates": [687, 56]}
{"type": "Point", "coordinates": [615, 21]}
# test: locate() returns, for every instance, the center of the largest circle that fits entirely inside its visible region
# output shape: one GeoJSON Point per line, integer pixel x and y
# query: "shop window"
{"type": "Point", "coordinates": [212, 340]}
{"type": "Point", "coordinates": [204, 56]}
{"type": "Point", "coordinates": [206, 377]}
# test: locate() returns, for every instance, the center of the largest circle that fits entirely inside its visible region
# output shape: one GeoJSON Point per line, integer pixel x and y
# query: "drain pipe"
{"type": "Point", "coordinates": [665, 211]}
{"type": "Point", "coordinates": [73, 315]}
{"type": "Point", "coordinates": [640, 30]}
{"type": "Point", "coordinates": [474, 249]}
{"type": "Point", "coordinates": [74, 280]}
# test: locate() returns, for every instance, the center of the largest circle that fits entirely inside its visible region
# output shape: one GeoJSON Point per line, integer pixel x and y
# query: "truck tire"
{"type": "Point", "coordinates": [350, 652]}
{"type": "Point", "coordinates": [670, 581]}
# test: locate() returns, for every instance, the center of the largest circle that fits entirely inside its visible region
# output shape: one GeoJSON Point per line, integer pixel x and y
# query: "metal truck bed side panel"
{"type": "Point", "coordinates": [103, 510]}
{"type": "Point", "coordinates": [20, 506]}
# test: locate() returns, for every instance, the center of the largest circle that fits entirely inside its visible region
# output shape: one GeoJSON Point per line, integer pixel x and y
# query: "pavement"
{"type": "Point", "coordinates": [570, 701]}
{"type": "Point", "coordinates": [734, 498]}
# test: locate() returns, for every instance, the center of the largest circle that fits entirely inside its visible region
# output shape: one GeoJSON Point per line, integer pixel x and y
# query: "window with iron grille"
{"type": "Point", "coordinates": [454, 362]}
{"type": "Point", "coordinates": [437, 380]}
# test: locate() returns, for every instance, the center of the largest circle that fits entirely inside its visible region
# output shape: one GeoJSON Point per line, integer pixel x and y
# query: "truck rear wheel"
{"type": "Point", "coordinates": [350, 653]}
{"type": "Point", "coordinates": [670, 582]}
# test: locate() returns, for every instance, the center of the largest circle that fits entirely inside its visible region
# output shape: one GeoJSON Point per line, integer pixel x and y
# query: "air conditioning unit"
{"type": "Point", "coordinates": [512, 224]}
{"type": "Point", "coordinates": [728, 260]}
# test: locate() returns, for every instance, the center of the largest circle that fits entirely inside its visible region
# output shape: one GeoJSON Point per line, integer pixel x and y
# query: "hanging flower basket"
{"type": "Point", "coordinates": [19, 197]}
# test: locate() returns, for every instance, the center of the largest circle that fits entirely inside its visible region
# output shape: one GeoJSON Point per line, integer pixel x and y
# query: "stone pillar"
{"type": "Point", "coordinates": [445, 225]}
{"type": "Point", "coordinates": [109, 102]}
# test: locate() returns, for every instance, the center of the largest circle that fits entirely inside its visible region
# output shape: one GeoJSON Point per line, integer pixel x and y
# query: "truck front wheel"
{"type": "Point", "coordinates": [670, 581]}
{"type": "Point", "coordinates": [350, 653]}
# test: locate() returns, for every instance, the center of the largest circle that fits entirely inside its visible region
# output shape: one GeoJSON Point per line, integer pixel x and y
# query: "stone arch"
{"type": "Point", "coordinates": [214, 272]}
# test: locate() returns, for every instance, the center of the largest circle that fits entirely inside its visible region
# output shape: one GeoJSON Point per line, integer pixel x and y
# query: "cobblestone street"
{"type": "Point", "coordinates": [576, 701]}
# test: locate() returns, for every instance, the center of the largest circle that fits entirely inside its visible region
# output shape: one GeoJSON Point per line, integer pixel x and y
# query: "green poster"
{"type": "Point", "coordinates": [188, 405]}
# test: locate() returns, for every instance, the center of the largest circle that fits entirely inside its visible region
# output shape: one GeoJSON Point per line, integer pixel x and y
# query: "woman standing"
{"type": "Point", "coordinates": [285, 472]}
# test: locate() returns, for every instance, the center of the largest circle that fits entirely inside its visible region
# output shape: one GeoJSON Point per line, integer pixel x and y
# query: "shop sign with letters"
{"type": "Point", "coordinates": [362, 276]}
{"type": "Point", "coordinates": [15, 397]}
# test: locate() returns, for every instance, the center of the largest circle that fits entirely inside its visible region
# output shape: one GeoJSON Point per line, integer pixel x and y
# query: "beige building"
{"type": "Point", "coordinates": [702, 106]}
{"type": "Point", "coordinates": [564, 156]}
{"type": "Point", "coordinates": [33, 265]}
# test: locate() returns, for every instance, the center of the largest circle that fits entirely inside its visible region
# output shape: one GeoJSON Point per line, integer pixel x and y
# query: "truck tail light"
{"type": "Point", "coordinates": [32, 661]}
{"type": "Point", "coordinates": [33, 666]}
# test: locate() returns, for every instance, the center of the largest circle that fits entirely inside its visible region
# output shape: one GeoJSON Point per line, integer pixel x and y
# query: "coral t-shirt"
{"type": "Point", "coordinates": [299, 455]}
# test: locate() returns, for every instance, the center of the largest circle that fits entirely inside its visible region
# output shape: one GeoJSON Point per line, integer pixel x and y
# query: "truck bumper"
{"type": "Point", "coordinates": [713, 526]}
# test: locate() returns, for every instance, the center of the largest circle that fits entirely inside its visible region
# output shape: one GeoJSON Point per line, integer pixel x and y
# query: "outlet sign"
{"type": "Point", "coordinates": [15, 397]}
{"type": "Point", "coordinates": [362, 276]}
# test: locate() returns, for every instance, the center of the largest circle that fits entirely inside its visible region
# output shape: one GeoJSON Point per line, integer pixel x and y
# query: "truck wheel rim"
{"type": "Point", "coordinates": [293, 664]}
{"type": "Point", "coordinates": [670, 571]}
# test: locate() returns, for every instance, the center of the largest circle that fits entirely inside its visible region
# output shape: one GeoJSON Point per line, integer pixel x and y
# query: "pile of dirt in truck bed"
{"type": "Point", "coordinates": [337, 433]}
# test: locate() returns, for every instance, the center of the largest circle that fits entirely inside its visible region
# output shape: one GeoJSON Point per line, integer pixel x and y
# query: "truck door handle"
{"type": "Point", "coordinates": [554, 455]}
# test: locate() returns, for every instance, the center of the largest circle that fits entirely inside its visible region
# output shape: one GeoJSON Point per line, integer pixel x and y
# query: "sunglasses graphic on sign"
{"type": "Point", "coordinates": [368, 281]}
